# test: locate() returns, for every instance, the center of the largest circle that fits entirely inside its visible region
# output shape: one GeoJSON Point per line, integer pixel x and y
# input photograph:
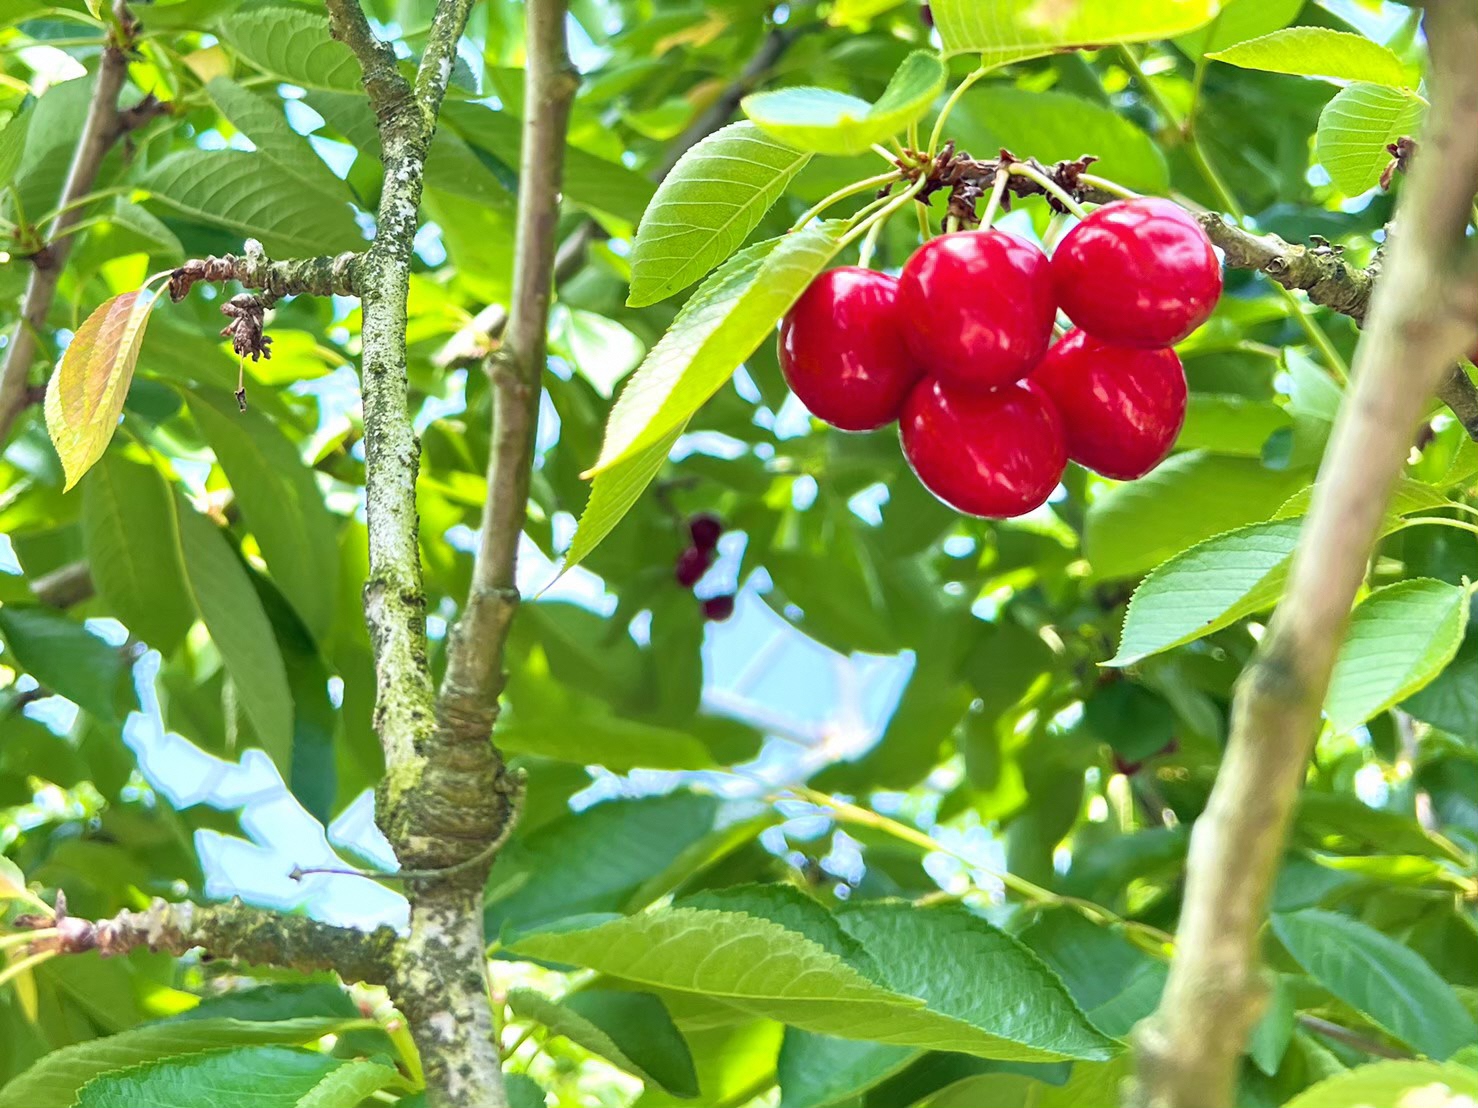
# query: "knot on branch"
{"type": "Point", "coordinates": [970, 179]}
{"type": "Point", "coordinates": [131, 119]}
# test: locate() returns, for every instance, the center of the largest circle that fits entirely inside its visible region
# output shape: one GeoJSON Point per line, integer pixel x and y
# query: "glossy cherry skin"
{"type": "Point", "coordinates": [1137, 272]}
{"type": "Point", "coordinates": [1121, 407]}
{"type": "Point", "coordinates": [977, 307]}
{"type": "Point", "coordinates": [994, 454]}
{"type": "Point", "coordinates": [842, 351]}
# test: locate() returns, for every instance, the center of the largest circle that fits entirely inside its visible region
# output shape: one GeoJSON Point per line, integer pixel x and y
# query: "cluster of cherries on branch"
{"type": "Point", "coordinates": [703, 532]}
{"type": "Point", "coordinates": [958, 349]}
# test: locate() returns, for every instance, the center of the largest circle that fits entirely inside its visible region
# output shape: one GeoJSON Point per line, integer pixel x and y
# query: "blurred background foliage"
{"type": "Point", "coordinates": [184, 631]}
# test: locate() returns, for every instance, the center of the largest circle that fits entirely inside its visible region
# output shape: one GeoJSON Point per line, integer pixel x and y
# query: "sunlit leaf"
{"type": "Point", "coordinates": [1003, 31]}
{"type": "Point", "coordinates": [1319, 52]}
{"type": "Point", "coordinates": [828, 122]}
{"type": "Point", "coordinates": [1356, 127]}
{"type": "Point", "coordinates": [706, 206]}
{"type": "Point", "coordinates": [85, 395]}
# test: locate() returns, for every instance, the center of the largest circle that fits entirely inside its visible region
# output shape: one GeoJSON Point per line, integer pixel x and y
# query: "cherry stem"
{"type": "Point", "coordinates": [997, 191]}
{"type": "Point", "coordinates": [1021, 169]}
{"type": "Point", "coordinates": [842, 193]}
{"type": "Point", "coordinates": [872, 223]}
{"type": "Point", "coordinates": [1103, 183]}
{"type": "Point", "coordinates": [949, 106]}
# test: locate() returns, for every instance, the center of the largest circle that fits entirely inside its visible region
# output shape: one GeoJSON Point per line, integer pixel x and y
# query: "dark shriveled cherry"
{"type": "Point", "coordinates": [977, 307]}
{"type": "Point", "coordinates": [705, 530]}
{"type": "Point", "coordinates": [1121, 407]}
{"type": "Point", "coordinates": [1137, 272]}
{"type": "Point", "coordinates": [718, 608]}
{"type": "Point", "coordinates": [842, 351]}
{"type": "Point", "coordinates": [691, 565]}
{"type": "Point", "coordinates": [994, 454]}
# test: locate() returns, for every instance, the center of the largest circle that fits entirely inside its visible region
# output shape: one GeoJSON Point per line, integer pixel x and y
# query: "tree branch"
{"type": "Point", "coordinates": [1421, 320]}
{"type": "Point", "coordinates": [1332, 283]}
{"type": "Point", "coordinates": [230, 930]}
{"type": "Point", "coordinates": [102, 128]}
{"type": "Point", "coordinates": [387, 89]}
{"type": "Point", "coordinates": [473, 341]}
{"type": "Point", "coordinates": [295, 277]}
{"type": "Point", "coordinates": [474, 675]}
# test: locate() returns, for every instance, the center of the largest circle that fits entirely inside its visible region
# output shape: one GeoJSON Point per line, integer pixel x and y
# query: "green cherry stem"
{"type": "Point", "coordinates": [998, 190]}
{"type": "Point", "coordinates": [842, 193]}
{"type": "Point", "coordinates": [949, 106]}
{"type": "Point", "coordinates": [1021, 169]}
{"type": "Point", "coordinates": [1103, 184]}
{"type": "Point", "coordinates": [872, 224]}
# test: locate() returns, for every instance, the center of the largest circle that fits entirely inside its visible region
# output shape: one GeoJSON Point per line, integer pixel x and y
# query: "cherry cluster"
{"type": "Point", "coordinates": [958, 349]}
{"type": "Point", "coordinates": [703, 532]}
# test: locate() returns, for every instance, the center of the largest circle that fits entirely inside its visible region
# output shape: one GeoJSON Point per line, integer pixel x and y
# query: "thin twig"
{"type": "Point", "coordinates": [1344, 1035]}
{"type": "Point", "coordinates": [1422, 317]}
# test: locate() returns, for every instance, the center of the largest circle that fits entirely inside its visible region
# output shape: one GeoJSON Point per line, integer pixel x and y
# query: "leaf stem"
{"type": "Point", "coordinates": [15, 969]}
{"type": "Point", "coordinates": [1021, 169]}
{"type": "Point", "coordinates": [882, 215]}
{"type": "Point", "coordinates": [842, 193]}
{"type": "Point", "coordinates": [949, 106]}
{"type": "Point", "coordinates": [82, 201]}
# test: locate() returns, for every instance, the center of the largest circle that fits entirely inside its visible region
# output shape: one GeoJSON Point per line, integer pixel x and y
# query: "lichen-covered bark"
{"type": "Point", "coordinates": [442, 806]}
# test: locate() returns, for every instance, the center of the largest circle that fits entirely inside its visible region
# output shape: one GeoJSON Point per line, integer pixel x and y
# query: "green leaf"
{"type": "Point", "coordinates": [1230, 424]}
{"type": "Point", "coordinates": [630, 1030]}
{"type": "Point", "coordinates": [292, 43]}
{"type": "Point", "coordinates": [1451, 701]}
{"type": "Point", "coordinates": [722, 323]}
{"type": "Point", "coordinates": [818, 1070]}
{"type": "Point", "coordinates": [84, 397]}
{"type": "Point", "coordinates": [771, 970]}
{"type": "Point", "coordinates": [54, 1080]}
{"type": "Point", "coordinates": [12, 145]}
{"type": "Point", "coordinates": [824, 121]}
{"type": "Point", "coordinates": [128, 529]}
{"type": "Point", "coordinates": [262, 121]}
{"type": "Point", "coordinates": [1210, 586]}
{"type": "Point", "coordinates": [1238, 21]}
{"type": "Point", "coordinates": [593, 860]}
{"type": "Point", "coordinates": [523, 1091]}
{"type": "Point", "coordinates": [1400, 638]}
{"type": "Point", "coordinates": [1377, 976]}
{"type": "Point", "coordinates": [1189, 498]}
{"type": "Point", "coordinates": [65, 658]}
{"type": "Point", "coordinates": [1056, 126]}
{"type": "Point", "coordinates": [254, 197]}
{"type": "Point", "coordinates": [233, 615]}
{"type": "Point", "coordinates": [589, 738]}
{"type": "Point", "coordinates": [1355, 128]}
{"type": "Point", "coordinates": [1009, 30]}
{"type": "Point", "coordinates": [1319, 52]}
{"type": "Point", "coordinates": [282, 503]}
{"type": "Point", "coordinates": [706, 206]}
{"type": "Point", "coordinates": [1401, 1084]}
{"type": "Point", "coordinates": [266, 1076]}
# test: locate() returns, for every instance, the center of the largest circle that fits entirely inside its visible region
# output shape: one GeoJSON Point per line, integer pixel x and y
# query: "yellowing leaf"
{"type": "Point", "coordinates": [86, 393]}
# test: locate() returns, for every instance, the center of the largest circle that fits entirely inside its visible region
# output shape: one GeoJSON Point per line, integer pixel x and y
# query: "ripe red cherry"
{"type": "Point", "coordinates": [977, 307]}
{"type": "Point", "coordinates": [842, 352]}
{"type": "Point", "coordinates": [995, 454]}
{"type": "Point", "coordinates": [1121, 407]}
{"type": "Point", "coordinates": [1137, 272]}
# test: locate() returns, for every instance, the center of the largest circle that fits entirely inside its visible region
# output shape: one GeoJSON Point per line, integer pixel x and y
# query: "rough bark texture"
{"type": "Point", "coordinates": [102, 128]}
{"type": "Point", "coordinates": [1421, 319]}
{"type": "Point", "coordinates": [230, 930]}
{"type": "Point", "coordinates": [1333, 283]}
{"type": "Point", "coordinates": [443, 806]}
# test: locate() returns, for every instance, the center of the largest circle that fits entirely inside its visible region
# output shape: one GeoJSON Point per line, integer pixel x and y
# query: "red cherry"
{"type": "Point", "coordinates": [842, 351]}
{"type": "Point", "coordinates": [995, 454]}
{"type": "Point", "coordinates": [705, 530]}
{"type": "Point", "coordinates": [718, 608]}
{"type": "Point", "coordinates": [691, 565]}
{"type": "Point", "coordinates": [1137, 272]}
{"type": "Point", "coordinates": [1121, 407]}
{"type": "Point", "coordinates": [977, 307]}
